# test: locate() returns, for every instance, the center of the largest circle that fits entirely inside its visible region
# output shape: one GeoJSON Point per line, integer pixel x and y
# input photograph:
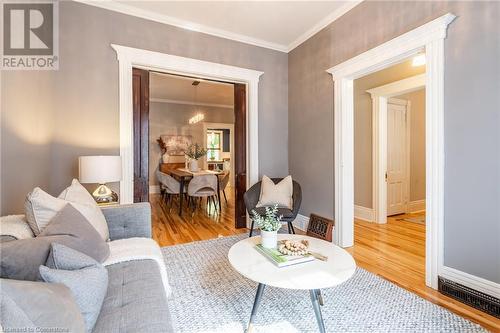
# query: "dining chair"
{"type": "Point", "coordinates": [202, 186]}
{"type": "Point", "coordinates": [223, 183]}
{"type": "Point", "coordinates": [169, 187]}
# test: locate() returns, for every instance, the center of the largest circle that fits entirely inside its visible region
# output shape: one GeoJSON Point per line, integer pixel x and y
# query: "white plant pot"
{"type": "Point", "coordinates": [193, 166]}
{"type": "Point", "coordinates": [269, 239]}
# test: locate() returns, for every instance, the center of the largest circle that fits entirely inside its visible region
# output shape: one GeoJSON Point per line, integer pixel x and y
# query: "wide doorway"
{"type": "Point", "coordinates": [390, 171]}
{"type": "Point", "coordinates": [178, 115]}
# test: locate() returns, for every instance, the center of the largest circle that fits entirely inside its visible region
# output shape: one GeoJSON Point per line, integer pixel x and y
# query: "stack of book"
{"type": "Point", "coordinates": [282, 260]}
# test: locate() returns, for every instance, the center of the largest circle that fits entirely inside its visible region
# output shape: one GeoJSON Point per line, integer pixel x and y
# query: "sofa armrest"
{"type": "Point", "coordinates": [126, 221]}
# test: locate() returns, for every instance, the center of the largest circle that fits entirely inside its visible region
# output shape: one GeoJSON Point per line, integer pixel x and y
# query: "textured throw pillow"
{"type": "Point", "coordinates": [20, 259]}
{"type": "Point", "coordinates": [41, 207]}
{"type": "Point", "coordinates": [86, 278]}
{"type": "Point", "coordinates": [27, 306]}
{"type": "Point", "coordinates": [276, 194]}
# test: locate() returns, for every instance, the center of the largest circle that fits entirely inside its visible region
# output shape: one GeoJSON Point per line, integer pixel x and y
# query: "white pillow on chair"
{"type": "Point", "coordinates": [276, 194]}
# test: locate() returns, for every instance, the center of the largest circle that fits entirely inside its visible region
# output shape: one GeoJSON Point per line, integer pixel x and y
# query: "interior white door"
{"type": "Point", "coordinates": [397, 158]}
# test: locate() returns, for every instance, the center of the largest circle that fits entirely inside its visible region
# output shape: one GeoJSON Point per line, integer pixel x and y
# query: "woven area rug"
{"type": "Point", "coordinates": [209, 296]}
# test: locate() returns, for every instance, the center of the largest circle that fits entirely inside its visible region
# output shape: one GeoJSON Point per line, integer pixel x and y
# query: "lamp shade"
{"type": "Point", "coordinates": [100, 169]}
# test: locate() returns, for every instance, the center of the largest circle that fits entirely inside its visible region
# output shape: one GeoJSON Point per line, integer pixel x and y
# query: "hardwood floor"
{"type": "Point", "coordinates": [394, 251]}
{"type": "Point", "coordinates": [170, 229]}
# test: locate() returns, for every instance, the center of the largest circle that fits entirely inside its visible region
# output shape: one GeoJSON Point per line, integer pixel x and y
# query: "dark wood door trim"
{"type": "Point", "coordinates": [140, 87]}
{"type": "Point", "coordinates": [240, 153]}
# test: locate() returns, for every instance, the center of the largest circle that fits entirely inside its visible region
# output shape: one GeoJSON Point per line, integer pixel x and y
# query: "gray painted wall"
{"type": "Point", "coordinates": [472, 117]}
{"type": "Point", "coordinates": [76, 107]}
{"type": "Point", "coordinates": [363, 127]}
{"type": "Point", "coordinates": [25, 133]}
{"type": "Point", "coordinates": [172, 119]}
{"type": "Point", "coordinates": [74, 111]}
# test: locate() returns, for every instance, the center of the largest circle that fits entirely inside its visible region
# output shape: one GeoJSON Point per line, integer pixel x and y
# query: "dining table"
{"type": "Point", "coordinates": [184, 175]}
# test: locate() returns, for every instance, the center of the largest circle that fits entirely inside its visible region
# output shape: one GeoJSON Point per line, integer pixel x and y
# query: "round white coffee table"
{"type": "Point", "coordinates": [313, 276]}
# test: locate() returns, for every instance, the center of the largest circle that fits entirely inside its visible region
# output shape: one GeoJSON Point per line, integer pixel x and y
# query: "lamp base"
{"type": "Point", "coordinates": [104, 194]}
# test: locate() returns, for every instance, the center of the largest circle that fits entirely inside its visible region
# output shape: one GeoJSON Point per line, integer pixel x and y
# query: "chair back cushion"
{"type": "Point", "coordinates": [225, 180]}
{"type": "Point", "coordinates": [276, 194]}
{"type": "Point", "coordinates": [168, 181]}
{"type": "Point", "coordinates": [205, 183]}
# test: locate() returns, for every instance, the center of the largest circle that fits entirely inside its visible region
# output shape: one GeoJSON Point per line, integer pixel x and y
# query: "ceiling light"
{"type": "Point", "coordinates": [197, 118]}
{"type": "Point", "coordinates": [418, 60]}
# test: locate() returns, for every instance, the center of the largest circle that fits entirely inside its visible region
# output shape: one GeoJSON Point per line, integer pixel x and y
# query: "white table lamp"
{"type": "Point", "coordinates": [101, 170]}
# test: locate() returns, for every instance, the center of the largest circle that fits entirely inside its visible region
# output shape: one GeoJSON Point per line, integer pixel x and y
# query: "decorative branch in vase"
{"type": "Point", "coordinates": [195, 152]}
{"type": "Point", "coordinates": [163, 148]}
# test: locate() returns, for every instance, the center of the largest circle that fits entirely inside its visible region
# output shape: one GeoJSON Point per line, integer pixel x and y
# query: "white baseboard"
{"type": "Point", "coordinates": [154, 188]}
{"type": "Point", "coordinates": [471, 281]}
{"type": "Point", "coordinates": [301, 222]}
{"type": "Point", "coordinates": [363, 213]}
{"type": "Point", "coordinates": [416, 206]}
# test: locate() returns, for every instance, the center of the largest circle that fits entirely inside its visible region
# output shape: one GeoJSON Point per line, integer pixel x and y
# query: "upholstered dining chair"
{"type": "Point", "coordinates": [223, 183]}
{"type": "Point", "coordinates": [169, 187]}
{"type": "Point", "coordinates": [202, 186]}
{"type": "Point", "coordinates": [252, 197]}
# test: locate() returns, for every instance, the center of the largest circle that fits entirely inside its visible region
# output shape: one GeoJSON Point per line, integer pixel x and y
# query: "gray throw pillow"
{"type": "Point", "coordinates": [86, 278]}
{"type": "Point", "coordinates": [27, 306]}
{"type": "Point", "coordinates": [85, 238]}
{"type": "Point", "coordinates": [21, 258]}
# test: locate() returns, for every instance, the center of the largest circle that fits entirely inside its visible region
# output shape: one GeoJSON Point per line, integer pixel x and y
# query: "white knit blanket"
{"type": "Point", "coordinates": [137, 248]}
{"type": "Point", "coordinates": [15, 226]}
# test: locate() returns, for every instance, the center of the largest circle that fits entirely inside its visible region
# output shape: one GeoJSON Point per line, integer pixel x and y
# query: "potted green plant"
{"type": "Point", "coordinates": [269, 226]}
{"type": "Point", "coordinates": [195, 152]}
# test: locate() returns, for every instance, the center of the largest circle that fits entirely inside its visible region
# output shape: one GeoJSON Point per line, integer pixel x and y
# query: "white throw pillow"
{"type": "Point", "coordinates": [276, 194]}
{"type": "Point", "coordinates": [41, 207]}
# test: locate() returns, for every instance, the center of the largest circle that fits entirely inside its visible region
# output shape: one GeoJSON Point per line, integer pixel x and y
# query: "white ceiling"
{"type": "Point", "coordinates": [178, 89]}
{"type": "Point", "coordinates": [279, 25]}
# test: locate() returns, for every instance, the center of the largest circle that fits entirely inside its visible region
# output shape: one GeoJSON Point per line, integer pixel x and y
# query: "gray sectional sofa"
{"type": "Point", "coordinates": [136, 300]}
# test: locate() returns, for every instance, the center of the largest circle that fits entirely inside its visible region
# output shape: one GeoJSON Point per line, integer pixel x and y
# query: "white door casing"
{"type": "Point", "coordinates": [129, 57]}
{"type": "Point", "coordinates": [397, 157]}
{"type": "Point", "coordinates": [429, 38]}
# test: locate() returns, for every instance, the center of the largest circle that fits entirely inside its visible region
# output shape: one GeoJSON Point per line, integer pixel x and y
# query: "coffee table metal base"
{"type": "Point", "coordinates": [316, 299]}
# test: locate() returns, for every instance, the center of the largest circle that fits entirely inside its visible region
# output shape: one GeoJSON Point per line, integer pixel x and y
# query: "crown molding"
{"type": "Point", "coordinates": [178, 101]}
{"type": "Point", "coordinates": [188, 25]}
{"type": "Point", "coordinates": [323, 23]}
{"type": "Point", "coordinates": [412, 42]}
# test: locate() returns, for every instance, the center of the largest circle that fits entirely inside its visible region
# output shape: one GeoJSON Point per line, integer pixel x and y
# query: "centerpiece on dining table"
{"type": "Point", "coordinates": [194, 152]}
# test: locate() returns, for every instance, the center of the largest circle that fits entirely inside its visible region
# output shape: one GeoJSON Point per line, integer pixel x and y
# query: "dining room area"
{"type": "Point", "coordinates": [191, 159]}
